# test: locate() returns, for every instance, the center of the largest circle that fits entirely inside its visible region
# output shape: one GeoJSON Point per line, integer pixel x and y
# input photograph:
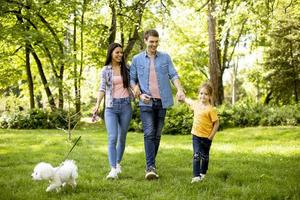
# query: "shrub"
{"type": "Point", "coordinates": [135, 123]}
{"type": "Point", "coordinates": [37, 119]}
{"type": "Point", "coordinates": [179, 120]}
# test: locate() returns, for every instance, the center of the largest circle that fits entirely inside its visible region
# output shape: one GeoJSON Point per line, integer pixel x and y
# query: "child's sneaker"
{"type": "Point", "coordinates": [112, 174]}
{"type": "Point", "coordinates": [119, 169]}
{"type": "Point", "coordinates": [196, 179]}
{"type": "Point", "coordinates": [202, 176]}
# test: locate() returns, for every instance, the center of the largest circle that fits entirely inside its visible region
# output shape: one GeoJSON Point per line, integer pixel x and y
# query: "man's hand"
{"type": "Point", "coordinates": [145, 98]}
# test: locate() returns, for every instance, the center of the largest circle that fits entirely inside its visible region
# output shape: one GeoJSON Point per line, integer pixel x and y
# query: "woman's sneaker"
{"type": "Point", "coordinates": [119, 169]}
{"type": "Point", "coordinates": [112, 174]}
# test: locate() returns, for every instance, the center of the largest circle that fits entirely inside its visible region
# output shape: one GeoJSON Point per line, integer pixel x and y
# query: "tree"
{"type": "Point", "coordinates": [283, 60]}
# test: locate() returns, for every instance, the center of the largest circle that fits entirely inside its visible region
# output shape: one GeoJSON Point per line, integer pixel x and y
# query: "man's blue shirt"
{"type": "Point", "coordinates": [165, 71]}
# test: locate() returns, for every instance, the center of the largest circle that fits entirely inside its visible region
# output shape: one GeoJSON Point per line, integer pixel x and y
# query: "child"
{"type": "Point", "coordinates": [205, 126]}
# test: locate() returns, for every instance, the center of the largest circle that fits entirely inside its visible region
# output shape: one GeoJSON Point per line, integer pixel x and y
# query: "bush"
{"type": "Point", "coordinates": [251, 114]}
{"type": "Point", "coordinates": [135, 123]}
{"type": "Point", "coordinates": [179, 120]}
{"type": "Point", "coordinates": [38, 119]}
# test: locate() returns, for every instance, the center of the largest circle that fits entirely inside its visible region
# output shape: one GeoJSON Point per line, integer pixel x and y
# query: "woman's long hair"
{"type": "Point", "coordinates": [124, 69]}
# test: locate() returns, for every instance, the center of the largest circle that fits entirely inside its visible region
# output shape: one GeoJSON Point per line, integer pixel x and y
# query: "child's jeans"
{"type": "Point", "coordinates": [201, 148]}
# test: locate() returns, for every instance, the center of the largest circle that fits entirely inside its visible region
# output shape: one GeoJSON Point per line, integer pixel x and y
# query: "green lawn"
{"type": "Point", "coordinates": [246, 163]}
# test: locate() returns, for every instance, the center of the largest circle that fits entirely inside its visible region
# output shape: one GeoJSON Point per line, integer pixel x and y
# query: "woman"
{"type": "Point", "coordinates": [115, 87]}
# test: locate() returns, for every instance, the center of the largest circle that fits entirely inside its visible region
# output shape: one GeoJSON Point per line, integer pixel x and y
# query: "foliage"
{"type": "Point", "coordinates": [135, 123]}
{"type": "Point", "coordinates": [37, 119]}
{"type": "Point", "coordinates": [234, 153]}
{"type": "Point", "coordinates": [179, 120]}
{"type": "Point", "coordinates": [283, 61]}
{"type": "Point", "coordinates": [245, 114]}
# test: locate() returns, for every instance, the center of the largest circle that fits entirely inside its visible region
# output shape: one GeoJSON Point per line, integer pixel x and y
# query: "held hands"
{"type": "Point", "coordinates": [136, 91]}
{"type": "Point", "coordinates": [145, 98]}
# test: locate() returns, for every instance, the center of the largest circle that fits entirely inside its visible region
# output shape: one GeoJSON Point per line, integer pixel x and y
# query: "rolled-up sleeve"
{"type": "Point", "coordinates": [133, 73]}
{"type": "Point", "coordinates": [173, 75]}
{"type": "Point", "coordinates": [102, 81]}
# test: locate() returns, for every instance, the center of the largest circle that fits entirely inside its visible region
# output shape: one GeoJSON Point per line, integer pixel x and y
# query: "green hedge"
{"type": "Point", "coordinates": [251, 114]}
{"type": "Point", "coordinates": [38, 119]}
{"type": "Point", "coordinates": [179, 118]}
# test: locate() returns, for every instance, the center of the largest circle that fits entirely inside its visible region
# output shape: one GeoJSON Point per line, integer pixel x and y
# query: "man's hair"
{"type": "Point", "coordinates": [151, 32]}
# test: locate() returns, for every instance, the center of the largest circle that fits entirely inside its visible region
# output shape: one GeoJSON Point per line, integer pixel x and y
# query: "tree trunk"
{"type": "Point", "coordinates": [81, 51]}
{"type": "Point", "coordinates": [295, 85]}
{"type": "Point", "coordinates": [44, 80]}
{"type": "Point", "coordinates": [61, 64]}
{"type": "Point", "coordinates": [214, 66]}
{"type": "Point", "coordinates": [234, 77]}
{"type": "Point", "coordinates": [76, 78]}
{"type": "Point", "coordinates": [29, 76]}
{"type": "Point", "coordinates": [27, 62]}
{"type": "Point", "coordinates": [113, 26]}
{"type": "Point", "coordinates": [135, 35]}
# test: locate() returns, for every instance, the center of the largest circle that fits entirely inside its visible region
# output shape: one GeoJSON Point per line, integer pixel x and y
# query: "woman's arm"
{"type": "Point", "coordinates": [99, 99]}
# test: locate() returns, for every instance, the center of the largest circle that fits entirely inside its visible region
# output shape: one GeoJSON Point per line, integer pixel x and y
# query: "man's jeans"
{"type": "Point", "coordinates": [153, 121]}
{"type": "Point", "coordinates": [201, 148]}
{"type": "Point", "coordinates": [117, 120]}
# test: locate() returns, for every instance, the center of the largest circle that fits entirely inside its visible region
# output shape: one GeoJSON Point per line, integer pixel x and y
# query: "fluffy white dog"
{"type": "Point", "coordinates": [59, 176]}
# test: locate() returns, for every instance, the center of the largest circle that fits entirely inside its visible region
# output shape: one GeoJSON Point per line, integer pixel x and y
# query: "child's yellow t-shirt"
{"type": "Point", "coordinates": [203, 120]}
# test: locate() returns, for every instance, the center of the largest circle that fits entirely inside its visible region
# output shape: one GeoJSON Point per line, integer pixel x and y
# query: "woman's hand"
{"type": "Point", "coordinates": [145, 98]}
{"type": "Point", "coordinates": [95, 116]}
{"type": "Point", "coordinates": [136, 91]}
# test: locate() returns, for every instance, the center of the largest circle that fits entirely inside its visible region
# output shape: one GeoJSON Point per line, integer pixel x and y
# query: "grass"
{"type": "Point", "coordinates": [248, 163]}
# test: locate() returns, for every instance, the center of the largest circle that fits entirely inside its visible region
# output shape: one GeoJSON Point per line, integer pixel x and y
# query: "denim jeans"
{"type": "Point", "coordinates": [201, 147]}
{"type": "Point", "coordinates": [117, 120]}
{"type": "Point", "coordinates": [153, 118]}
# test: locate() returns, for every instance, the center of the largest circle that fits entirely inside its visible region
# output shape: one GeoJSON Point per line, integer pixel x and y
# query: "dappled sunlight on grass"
{"type": "Point", "coordinates": [36, 147]}
{"type": "Point", "coordinates": [176, 146]}
{"type": "Point", "coordinates": [134, 150]}
{"type": "Point", "coordinates": [267, 149]}
{"type": "Point", "coordinates": [245, 164]}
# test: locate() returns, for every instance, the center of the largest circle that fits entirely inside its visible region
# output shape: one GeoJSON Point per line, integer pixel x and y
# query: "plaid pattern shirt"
{"type": "Point", "coordinates": [106, 85]}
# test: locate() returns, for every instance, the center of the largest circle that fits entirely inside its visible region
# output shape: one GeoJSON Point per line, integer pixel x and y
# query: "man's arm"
{"type": "Point", "coordinates": [180, 92]}
{"type": "Point", "coordinates": [173, 75]}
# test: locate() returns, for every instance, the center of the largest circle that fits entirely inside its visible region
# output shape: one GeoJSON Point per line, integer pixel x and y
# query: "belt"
{"type": "Point", "coordinates": [155, 99]}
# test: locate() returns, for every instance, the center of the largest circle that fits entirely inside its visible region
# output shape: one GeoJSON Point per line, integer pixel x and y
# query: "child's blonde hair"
{"type": "Point", "coordinates": [209, 89]}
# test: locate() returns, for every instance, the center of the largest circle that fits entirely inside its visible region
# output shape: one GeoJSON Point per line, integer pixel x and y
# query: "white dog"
{"type": "Point", "coordinates": [59, 176]}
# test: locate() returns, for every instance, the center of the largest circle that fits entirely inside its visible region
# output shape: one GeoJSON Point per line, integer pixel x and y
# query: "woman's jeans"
{"type": "Point", "coordinates": [117, 120]}
{"type": "Point", "coordinates": [153, 121]}
{"type": "Point", "coordinates": [201, 148]}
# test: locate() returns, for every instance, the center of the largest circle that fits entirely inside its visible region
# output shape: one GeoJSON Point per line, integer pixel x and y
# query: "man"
{"type": "Point", "coordinates": [152, 70]}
